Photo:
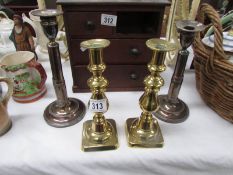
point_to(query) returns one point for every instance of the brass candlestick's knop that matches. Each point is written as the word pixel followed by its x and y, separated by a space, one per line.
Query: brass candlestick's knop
pixel 145 131
pixel 99 133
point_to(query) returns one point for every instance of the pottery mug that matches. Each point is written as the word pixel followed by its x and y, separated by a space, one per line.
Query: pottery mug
pixel 5 121
pixel 29 76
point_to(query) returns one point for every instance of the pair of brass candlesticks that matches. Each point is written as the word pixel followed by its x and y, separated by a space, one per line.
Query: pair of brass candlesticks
pixel 101 133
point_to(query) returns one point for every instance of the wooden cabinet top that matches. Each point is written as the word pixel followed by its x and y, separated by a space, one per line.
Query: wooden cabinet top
pixel 112 2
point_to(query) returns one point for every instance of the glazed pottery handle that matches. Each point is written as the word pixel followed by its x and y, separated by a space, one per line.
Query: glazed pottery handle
pixel 9 93
pixel 4 14
pixel 42 72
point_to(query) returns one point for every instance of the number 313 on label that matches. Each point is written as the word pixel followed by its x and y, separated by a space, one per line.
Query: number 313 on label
pixel 108 20
pixel 98 105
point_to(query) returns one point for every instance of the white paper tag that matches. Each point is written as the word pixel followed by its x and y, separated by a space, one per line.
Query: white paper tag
pixel 98 105
pixel 83 49
pixel 108 20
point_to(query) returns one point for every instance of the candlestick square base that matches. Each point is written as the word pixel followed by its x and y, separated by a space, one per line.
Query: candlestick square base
pixel 88 144
pixel 142 138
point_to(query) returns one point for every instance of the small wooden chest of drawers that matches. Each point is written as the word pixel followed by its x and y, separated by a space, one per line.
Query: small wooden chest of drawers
pixel 127 56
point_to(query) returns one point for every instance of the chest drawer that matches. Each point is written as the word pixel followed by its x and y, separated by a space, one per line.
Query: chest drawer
pixel 120 51
pixel 84 24
pixel 127 56
pixel 120 77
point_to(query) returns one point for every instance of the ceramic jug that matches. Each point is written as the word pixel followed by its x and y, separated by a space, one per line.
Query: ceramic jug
pixel 29 76
pixel 0 91
pixel 5 121
pixel 34 21
pixel 6 26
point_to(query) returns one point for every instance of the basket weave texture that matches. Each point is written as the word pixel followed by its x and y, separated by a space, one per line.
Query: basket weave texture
pixel 214 74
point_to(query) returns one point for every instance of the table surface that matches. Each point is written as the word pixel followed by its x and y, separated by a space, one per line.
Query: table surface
pixel 201 145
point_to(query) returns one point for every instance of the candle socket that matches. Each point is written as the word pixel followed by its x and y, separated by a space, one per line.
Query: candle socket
pixel 145 131
pixel 100 133
pixel 172 109
pixel 64 111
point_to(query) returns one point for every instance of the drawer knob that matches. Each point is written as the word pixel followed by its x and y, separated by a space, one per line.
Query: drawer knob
pixel 133 76
pixel 90 25
pixel 135 52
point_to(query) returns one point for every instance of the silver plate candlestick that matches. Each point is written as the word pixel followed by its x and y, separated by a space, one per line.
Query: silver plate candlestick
pixel 171 108
pixel 64 111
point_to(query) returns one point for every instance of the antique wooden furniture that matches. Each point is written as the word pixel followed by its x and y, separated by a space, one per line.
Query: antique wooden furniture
pixel 21 6
pixel 127 54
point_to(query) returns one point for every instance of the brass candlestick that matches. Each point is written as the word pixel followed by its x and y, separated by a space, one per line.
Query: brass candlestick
pixel 64 111
pixel 99 133
pixel 172 109
pixel 145 131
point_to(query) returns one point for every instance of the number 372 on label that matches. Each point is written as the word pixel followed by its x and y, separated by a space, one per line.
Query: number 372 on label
pixel 98 105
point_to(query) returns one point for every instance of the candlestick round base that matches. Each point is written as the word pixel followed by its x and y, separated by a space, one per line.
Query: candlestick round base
pixel 171 111
pixel 6 128
pixel 66 116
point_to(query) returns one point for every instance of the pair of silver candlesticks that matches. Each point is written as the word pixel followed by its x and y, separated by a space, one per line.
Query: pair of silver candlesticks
pixel 101 133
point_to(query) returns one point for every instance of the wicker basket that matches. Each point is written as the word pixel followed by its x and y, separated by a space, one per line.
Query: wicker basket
pixel 214 74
